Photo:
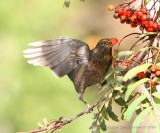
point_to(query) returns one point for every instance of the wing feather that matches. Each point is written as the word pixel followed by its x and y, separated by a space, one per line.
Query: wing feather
pixel 60 55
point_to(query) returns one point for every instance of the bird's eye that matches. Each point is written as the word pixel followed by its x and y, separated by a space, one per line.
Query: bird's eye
pixel 102 44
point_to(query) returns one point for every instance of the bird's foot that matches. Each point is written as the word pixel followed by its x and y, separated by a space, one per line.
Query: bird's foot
pixel 90 108
pixel 88 105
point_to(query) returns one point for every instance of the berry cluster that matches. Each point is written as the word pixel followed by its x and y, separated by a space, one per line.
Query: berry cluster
pixel 136 17
pixel 151 73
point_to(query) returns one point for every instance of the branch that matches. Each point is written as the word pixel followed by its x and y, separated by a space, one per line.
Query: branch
pixel 145 52
pixel 54 125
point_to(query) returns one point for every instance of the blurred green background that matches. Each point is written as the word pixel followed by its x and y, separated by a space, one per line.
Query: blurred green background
pixel 28 93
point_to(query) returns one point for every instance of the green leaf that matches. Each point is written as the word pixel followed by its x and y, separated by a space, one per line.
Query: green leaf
pixel 157 127
pixel 94 127
pixel 139 118
pixel 122 55
pixel 67 3
pixel 102 125
pixel 120 101
pixel 131 87
pixel 129 112
pixel 111 114
pixel 104 113
pixel 157 106
pixel 40 125
pixel 132 73
pixel 138 111
pixel 109 72
pixel 119 79
pixel 133 95
pixel 118 87
pixel 120 68
pixel 156 94
pixel 146 1
pixel 45 122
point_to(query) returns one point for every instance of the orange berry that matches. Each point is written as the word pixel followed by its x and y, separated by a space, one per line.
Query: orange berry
pixel 116 15
pixel 111 7
pixel 157 73
pixel 158 68
pixel 153 82
pixel 153 68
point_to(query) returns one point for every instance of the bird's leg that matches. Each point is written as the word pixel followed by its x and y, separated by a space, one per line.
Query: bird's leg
pixel 80 97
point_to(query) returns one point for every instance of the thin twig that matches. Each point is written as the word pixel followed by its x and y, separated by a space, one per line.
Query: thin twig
pixel 145 52
pixel 59 124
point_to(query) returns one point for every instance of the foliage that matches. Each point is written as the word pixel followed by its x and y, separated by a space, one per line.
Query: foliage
pixel 131 71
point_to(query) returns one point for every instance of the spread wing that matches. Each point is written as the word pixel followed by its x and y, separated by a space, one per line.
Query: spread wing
pixel 60 55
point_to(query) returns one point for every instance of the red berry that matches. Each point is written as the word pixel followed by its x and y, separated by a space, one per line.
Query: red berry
pixel 133 25
pixel 151 24
pixel 155 26
pixel 120 11
pixel 122 21
pixel 149 29
pixel 138 22
pixel 125 64
pixel 146 24
pixel 144 17
pixel 144 10
pixel 123 18
pixel 141 75
pixel 126 11
pixel 114 40
pixel 116 64
pixel 139 14
pixel 129 14
pixel 133 18
pixel 153 82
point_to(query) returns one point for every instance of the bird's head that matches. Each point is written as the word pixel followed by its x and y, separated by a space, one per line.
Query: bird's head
pixel 107 42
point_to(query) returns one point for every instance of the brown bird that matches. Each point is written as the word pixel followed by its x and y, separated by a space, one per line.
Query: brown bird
pixel 73 57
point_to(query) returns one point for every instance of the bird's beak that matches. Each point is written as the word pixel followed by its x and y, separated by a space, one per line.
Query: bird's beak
pixel 109 43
